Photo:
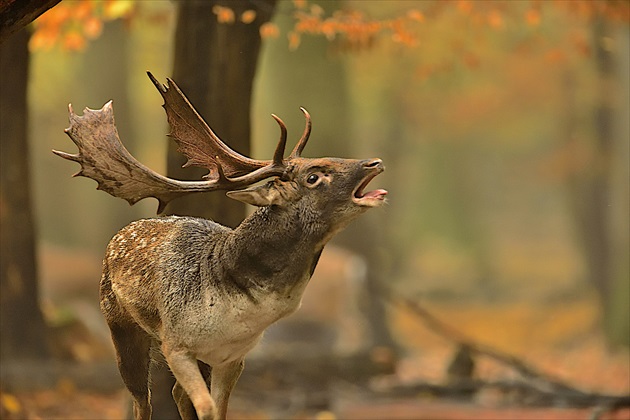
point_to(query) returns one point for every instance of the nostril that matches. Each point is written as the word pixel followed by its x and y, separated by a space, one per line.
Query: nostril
pixel 372 163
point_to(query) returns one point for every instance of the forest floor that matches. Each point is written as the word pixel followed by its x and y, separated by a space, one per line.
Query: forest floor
pixel 55 404
pixel 581 360
pixel 66 402
pixel 558 336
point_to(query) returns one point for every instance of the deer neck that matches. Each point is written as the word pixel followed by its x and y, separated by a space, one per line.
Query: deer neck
pixel 276 249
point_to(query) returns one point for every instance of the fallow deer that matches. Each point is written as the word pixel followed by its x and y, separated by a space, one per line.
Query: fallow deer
pixel 202 293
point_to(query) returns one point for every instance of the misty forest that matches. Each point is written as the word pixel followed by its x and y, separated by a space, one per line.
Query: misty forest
pixel 494 283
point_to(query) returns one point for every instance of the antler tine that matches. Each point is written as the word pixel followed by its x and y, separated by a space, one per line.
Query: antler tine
pixel 160 87
pixel 195 139
pixel 278 155
pixel 299 147
pixel 274 168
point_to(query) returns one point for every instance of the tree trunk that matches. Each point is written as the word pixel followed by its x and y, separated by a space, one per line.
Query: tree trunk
pixel 596 217
pixel 214 65
pixel 606 245
pixel 22 327
pixel 618 326
pixel 591 191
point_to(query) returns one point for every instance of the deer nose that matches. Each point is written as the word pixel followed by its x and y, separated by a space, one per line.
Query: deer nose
pixel 373 163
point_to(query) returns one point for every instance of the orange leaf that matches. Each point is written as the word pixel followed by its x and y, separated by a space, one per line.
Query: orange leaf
pixel 44 38
pixel 224 14
pixel 532 17
pixel 404 37
pixel 92 27
pixel 299 4
pixel 294 40
pixel 269 30
pixel 73 41
pixel 248 16
pixel 465 6
pixel 416 15
pixel 82 10
pixel 495 19
pixel 329 29
pixel 56 16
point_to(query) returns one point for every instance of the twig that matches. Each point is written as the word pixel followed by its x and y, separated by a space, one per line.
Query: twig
pixel 543 384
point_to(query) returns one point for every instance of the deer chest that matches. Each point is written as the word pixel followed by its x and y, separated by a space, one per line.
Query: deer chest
pixel 234 325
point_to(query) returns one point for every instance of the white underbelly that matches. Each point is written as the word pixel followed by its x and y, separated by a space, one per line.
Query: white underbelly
pixel 238 325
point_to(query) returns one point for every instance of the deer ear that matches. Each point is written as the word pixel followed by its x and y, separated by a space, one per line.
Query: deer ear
pixel 260 196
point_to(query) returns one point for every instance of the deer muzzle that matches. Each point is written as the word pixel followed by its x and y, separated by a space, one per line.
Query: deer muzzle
pixel 373 198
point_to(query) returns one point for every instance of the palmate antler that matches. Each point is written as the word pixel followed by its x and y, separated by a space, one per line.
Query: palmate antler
pixel 105 159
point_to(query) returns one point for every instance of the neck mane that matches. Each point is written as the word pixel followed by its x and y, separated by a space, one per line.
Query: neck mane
pixel 276 248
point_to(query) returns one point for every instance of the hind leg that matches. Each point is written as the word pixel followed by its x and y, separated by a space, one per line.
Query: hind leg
pixel 133 347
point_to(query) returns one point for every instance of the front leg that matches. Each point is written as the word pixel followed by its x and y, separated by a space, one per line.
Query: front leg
pixel 224 377
pixel 184 405
pixel 184 367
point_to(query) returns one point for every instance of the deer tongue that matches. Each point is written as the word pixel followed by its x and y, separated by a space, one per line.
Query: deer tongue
pixel 377 194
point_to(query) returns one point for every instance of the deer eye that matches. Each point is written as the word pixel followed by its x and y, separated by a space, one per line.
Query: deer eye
pixel 312 178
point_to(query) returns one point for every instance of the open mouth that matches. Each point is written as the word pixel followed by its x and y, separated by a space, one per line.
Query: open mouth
pixel 370 198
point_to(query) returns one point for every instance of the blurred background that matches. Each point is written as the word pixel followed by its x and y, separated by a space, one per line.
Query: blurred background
pixel 505 132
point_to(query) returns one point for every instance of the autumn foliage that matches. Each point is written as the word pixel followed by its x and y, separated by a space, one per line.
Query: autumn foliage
pixel 71 25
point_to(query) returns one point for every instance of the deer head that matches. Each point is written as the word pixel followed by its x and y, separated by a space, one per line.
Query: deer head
pixel 104 158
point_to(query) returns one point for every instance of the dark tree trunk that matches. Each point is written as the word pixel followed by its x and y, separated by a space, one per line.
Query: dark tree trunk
pixel 596 217
pixel 590 190
pixel 22 327
pixel 618 327
pixel 214 65
pixel 597 222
